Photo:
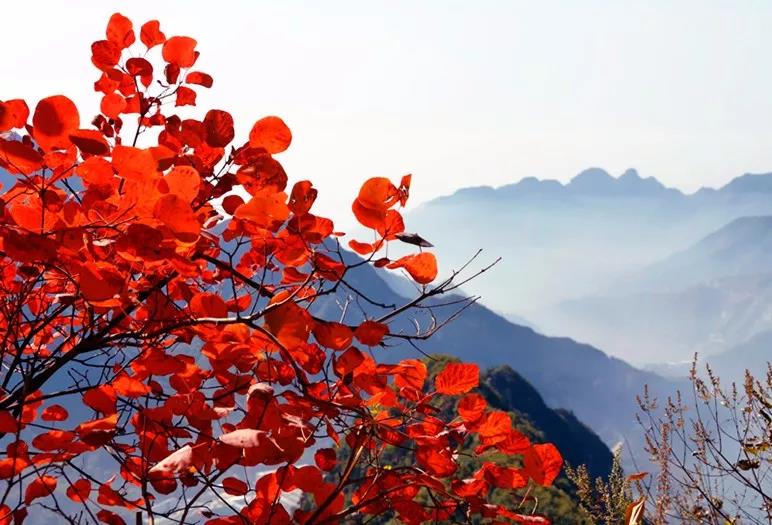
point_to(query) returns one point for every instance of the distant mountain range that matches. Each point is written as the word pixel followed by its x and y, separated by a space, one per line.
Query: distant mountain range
pixel 643 271
pixel 708 298
pixel 598 389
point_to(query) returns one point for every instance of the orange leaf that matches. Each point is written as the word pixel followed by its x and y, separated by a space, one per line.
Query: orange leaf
pixel 265 209
pixel 128 386
pixel 543 463
pixel 39 488
pixel 422 267
pixel 177 214
pixel 208 305
pixel 457 378
pixel 495 426
pixel 180 51
pixel 378 193
pixel 55 119
pixel 183 181
pixel 634 511
pixel 271 134
pixel 362 248
pixel 333 335
pixel 410 373
pixel 471 407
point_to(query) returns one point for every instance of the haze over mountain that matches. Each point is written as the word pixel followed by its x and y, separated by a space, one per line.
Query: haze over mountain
pixel 600 390
pixel 708 298
pixel 571 250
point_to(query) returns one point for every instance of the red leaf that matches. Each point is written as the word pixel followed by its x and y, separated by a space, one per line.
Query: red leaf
pixel 139 67
pixel 271 134
pixel 362 248
pixel 234 486
pixel 39 488
pixel 79 491
pixel 333 335
pixel 105 55
pixel 422 267
pixel 53 440
pixel 302 197
pixel 18 157
pixel 325 459
pixel 54 413
pixel 371 333
pixel 110 518
pixel 128 386
pixel 199 78
pixel 457 378
pixel 180 51
pixel 231 203
pixel 151 34
pixel 378 193
pixel 218 128
pixel 177 214
pixel 495 426
pixel 185 97
pixel 55 119
pixel 90 141
pixel 8 423
pixel 208 305
pixel 112 105
pixel 184 182
pixel 13 114
pixel 471 407
pixel 99 282
pixel 437 461
pixel 102 399
pixel 410 373
pixel 289 323
pixel 120 31
pixel 543 463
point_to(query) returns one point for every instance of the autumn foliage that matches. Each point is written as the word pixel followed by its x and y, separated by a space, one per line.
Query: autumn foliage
pixel 161 347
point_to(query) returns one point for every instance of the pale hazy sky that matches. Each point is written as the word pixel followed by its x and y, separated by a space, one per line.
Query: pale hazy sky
pixel 458 93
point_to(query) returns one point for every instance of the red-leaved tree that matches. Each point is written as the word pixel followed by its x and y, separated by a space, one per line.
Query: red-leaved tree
pixel 165 350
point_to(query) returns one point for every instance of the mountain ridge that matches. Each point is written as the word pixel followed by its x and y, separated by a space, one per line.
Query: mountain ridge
pixel 597 181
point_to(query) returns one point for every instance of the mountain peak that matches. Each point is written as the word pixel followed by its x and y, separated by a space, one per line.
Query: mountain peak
pixel 749 183
pixel 630 174
pixel 592 179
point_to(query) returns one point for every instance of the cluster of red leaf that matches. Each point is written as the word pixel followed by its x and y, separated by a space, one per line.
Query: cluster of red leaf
pixel 161 323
